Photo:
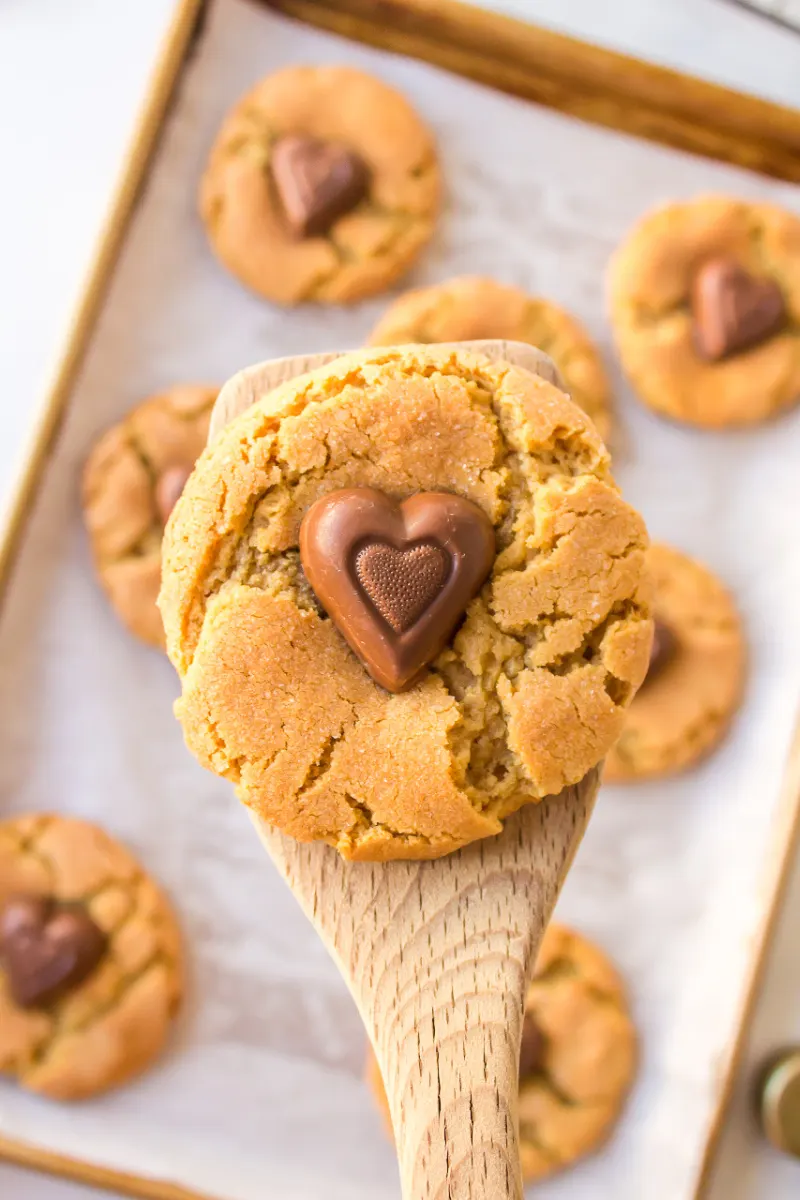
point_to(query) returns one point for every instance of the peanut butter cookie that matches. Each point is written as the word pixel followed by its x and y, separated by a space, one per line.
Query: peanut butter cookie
pixel 577 1059
pixel 696 676
pixel 474 307
pixel 705 303
pixel 529 691
pixel 90 968
pixel 322 185
pixel 131 481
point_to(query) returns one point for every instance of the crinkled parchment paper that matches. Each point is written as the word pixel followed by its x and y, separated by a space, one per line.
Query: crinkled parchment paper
pixel 261 1094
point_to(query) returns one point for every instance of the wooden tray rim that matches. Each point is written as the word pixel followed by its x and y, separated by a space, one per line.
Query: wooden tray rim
pixel 574 77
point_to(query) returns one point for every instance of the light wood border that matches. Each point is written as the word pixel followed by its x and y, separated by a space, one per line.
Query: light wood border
pixel 583 81
pixel 34 1158
pixel 574 77
pixel 164 76
pixel 780 862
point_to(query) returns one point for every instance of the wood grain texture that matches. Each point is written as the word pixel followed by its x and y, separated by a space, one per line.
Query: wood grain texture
pixel 438 954
pixel 571 76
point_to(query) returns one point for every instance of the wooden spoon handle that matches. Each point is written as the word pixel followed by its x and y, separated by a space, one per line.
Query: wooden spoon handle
pixel 438 956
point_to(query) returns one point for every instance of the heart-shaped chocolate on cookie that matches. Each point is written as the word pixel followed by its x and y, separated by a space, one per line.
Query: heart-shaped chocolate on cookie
pixel 317 182
pixel 395 577
pixel 46 948
pixel 732 309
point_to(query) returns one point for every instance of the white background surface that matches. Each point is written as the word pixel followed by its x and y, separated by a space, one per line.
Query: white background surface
pixel 72 76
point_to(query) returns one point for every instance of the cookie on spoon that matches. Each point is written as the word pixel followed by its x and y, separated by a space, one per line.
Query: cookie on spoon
pixel 511 694
pixel 460 934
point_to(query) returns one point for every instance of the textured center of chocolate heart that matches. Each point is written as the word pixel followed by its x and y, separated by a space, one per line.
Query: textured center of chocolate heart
pixel 401 583
pixel 395 577
pixel 733 309
pixel 46 948
pixel 317 182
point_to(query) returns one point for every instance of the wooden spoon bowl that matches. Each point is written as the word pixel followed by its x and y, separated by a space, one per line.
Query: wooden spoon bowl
pixel 438 954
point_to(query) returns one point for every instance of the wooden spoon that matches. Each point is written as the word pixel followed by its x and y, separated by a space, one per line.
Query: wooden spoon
pixel 438 954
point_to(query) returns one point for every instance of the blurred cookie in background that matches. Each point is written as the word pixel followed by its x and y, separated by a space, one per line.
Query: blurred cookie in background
pixel 90 963
pixel 475 307
pixel 322 185
pixel 577 1059
pixel 696 677
pixel 131 482
pixel 705 303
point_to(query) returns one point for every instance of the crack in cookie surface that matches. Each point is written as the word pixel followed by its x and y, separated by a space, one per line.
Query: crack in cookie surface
pixel 531 689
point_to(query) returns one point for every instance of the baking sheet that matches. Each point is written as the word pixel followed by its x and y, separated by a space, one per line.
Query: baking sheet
pixel 262 1091
pixel 748 1165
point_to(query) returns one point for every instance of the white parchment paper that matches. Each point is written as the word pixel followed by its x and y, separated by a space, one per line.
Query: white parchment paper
pixel 262 1093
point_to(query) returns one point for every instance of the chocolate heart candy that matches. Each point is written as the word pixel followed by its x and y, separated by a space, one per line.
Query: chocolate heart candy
pixel 317 182
pixel 732 309
pixel 46 948
pixel 395 578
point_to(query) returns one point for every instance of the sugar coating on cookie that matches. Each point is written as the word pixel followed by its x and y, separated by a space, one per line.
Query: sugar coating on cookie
pixel 653 287
pixel 685 707
pixel 473 307
pixel 131 481
pixel 573 1096
pixel 532 689
pixel 366 247
pixel 113 1024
